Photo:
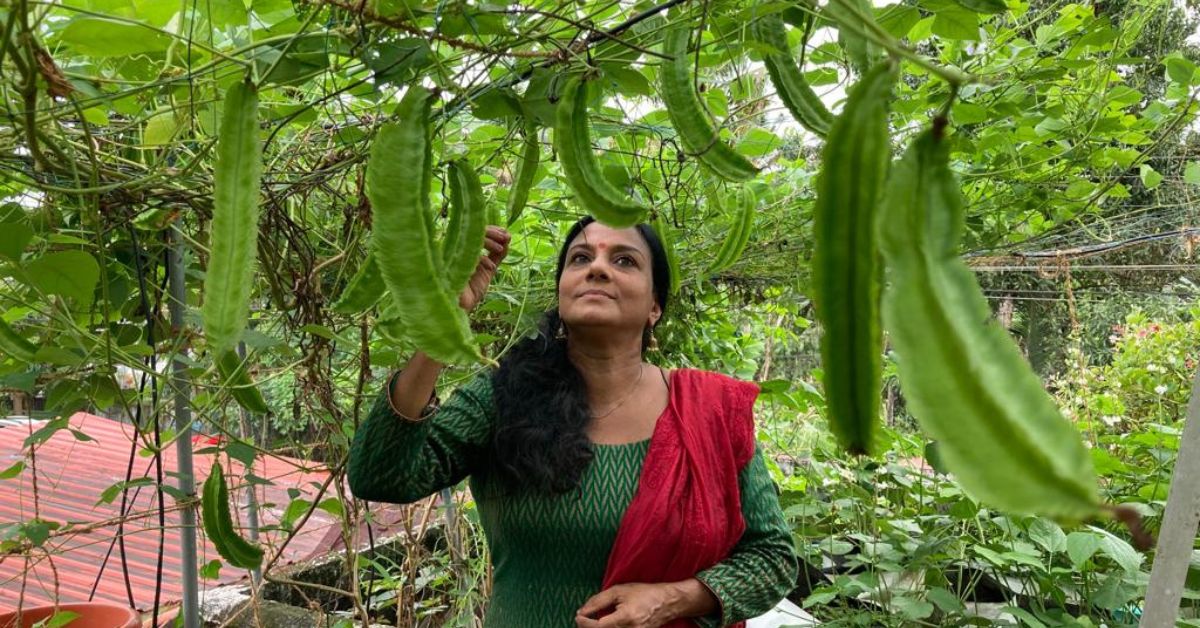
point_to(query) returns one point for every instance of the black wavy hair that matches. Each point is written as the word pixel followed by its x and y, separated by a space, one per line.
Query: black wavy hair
pixel 539 443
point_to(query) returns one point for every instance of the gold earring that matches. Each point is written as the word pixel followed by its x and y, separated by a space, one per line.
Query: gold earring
pixel 653 341
pixel 561 334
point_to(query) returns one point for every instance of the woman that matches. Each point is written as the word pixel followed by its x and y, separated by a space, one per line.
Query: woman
pixel 612 492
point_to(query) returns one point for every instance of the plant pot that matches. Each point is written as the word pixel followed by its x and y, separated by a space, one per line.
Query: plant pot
pixel 91 615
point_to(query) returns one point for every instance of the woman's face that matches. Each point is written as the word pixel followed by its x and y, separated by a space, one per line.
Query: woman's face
pixel 607 280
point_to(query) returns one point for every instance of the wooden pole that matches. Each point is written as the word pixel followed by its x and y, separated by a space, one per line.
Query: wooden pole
pixel 1178 533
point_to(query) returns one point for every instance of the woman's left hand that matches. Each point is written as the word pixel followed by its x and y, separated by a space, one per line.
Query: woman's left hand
pixel 632 605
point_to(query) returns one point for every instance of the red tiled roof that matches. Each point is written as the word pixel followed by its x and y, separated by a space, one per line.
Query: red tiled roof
pixel 72 474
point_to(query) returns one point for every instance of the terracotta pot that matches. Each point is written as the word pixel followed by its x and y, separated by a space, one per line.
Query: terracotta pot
pixel 166 618
pixel 91 615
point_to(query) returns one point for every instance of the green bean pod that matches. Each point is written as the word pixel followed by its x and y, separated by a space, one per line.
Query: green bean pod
pixel 236 378
pixel 668 241
pixel 403 247
pixel 791 86
pixel 739 234
pixel 963 378
pixel 573 142
pixel 463 244
pixel 218 524
pixel 364 290
pixel 14 344
pixel 688 115
pixel 526 171
pixel 845 268
pixel 234 229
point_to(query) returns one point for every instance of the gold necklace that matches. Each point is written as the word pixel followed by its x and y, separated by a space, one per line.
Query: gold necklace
pixel 635 385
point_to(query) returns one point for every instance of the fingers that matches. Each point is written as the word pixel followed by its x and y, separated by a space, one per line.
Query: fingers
pixel 598 602
pixel 616 620
pixel 496 242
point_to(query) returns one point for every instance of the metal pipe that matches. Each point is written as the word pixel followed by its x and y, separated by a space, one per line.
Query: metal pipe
pixel 182 383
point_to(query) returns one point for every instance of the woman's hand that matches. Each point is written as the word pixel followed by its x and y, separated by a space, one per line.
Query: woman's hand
pixel 496 242
pixel 631 606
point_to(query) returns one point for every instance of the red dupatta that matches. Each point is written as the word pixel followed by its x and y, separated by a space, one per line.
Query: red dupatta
pixel 686 515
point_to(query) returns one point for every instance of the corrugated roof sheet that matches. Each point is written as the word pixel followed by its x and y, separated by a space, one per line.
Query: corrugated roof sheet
pixel 72 474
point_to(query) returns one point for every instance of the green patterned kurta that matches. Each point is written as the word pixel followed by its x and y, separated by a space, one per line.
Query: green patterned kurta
pixel 549 553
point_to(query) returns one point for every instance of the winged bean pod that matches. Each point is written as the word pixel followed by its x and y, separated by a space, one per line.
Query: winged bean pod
pixel 689 117
pixel 791 86
pixel 465 244
pixel 236 378
pixel 573 142
pixel 668 242
pixel 963 378
pixel 526 171
pixel 218 524
pixel 403 247
pixel 739 234
pixel 234 229
pixel 364 290
pixel 845 265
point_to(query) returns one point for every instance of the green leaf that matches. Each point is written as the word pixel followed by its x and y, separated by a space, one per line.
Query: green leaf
pixel 60 619
pixel 984 6
pixel 1080 189
pixel 628 80
pixel 110 493
pixel 13 471
pixel 294 511
pixel 1150 177
pixel 211 570
pixel 912 608
pixel 25 381
pixel 1024 615
pixel 956 24
pixel 1081 546
pixel 968 113
pixel 160 129
pixel 1119 550
pixel 1180 69
pixel 44 433
pixel 758 142
pixel 496 105
pixel 58 356
pixel 945 600
pixel 1191 173
pixel 106 37
pixel 296 67
pixel 38 530
pixel 819 597
pixel 1048 534
pixel 397 62
pixel 898 19
pixel 241 452
pixel 333 506
pixel 71 274
pixel 14 237
pixel 540 99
